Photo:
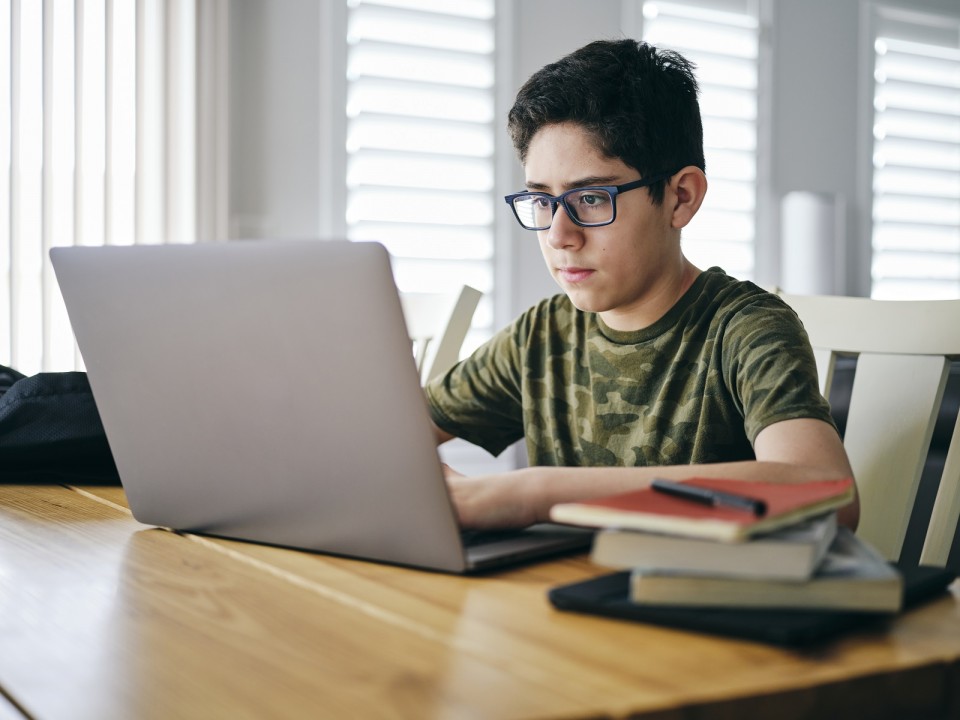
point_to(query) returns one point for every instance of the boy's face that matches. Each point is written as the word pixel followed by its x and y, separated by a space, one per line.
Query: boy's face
pixel 615 270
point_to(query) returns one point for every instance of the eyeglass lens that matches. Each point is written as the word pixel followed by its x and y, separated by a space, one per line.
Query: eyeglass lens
pixel 588 206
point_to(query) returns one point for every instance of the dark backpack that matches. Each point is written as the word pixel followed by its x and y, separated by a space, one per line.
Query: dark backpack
pixel 50 430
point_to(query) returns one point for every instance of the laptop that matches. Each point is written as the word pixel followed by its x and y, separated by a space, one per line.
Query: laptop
pixel 266 391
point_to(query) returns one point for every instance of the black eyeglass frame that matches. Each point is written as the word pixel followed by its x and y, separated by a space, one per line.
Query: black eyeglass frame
pixel 556 200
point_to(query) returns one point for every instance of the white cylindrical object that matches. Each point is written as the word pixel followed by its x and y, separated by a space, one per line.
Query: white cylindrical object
pixel 811 235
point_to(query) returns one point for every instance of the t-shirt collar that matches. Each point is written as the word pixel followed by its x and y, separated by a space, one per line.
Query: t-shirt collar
pixel 667 321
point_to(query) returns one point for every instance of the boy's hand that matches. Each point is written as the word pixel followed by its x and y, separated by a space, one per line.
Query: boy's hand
pixel 490 502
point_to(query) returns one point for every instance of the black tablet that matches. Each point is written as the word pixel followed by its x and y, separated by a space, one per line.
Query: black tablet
pixel 609 595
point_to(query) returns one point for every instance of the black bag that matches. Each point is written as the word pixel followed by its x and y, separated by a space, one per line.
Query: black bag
pixel 50 430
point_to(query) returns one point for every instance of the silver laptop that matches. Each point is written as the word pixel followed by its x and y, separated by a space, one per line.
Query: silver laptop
pixel 266 391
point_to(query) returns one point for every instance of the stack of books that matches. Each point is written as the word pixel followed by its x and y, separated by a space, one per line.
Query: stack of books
pixel 728 543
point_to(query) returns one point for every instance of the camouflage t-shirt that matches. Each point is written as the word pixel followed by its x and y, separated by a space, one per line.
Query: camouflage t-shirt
pixel 697 386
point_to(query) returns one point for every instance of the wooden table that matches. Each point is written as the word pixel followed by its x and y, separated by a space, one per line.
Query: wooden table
pixel 102 617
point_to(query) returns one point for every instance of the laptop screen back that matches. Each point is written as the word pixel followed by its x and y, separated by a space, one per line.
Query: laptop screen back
pixel 264 391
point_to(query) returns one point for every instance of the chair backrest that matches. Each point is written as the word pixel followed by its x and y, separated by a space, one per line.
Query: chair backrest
pixel 437 324
pixel 904 351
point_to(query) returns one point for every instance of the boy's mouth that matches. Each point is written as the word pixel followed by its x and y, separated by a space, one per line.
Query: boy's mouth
pixel 574 274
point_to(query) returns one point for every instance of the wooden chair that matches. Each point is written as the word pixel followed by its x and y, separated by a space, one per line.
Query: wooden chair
pixel 903 352
pixel 437 324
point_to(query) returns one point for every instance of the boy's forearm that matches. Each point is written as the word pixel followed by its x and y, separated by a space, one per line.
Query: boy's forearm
pixel 799 450
pixel 547 486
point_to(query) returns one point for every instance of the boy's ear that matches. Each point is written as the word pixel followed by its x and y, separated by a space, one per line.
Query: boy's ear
pixel 686 190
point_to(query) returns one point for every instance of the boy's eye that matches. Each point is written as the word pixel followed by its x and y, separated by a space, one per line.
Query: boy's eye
pixel 542 203
pixel 593 199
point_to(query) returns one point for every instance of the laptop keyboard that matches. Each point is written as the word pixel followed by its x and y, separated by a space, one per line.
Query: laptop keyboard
pixel 473 538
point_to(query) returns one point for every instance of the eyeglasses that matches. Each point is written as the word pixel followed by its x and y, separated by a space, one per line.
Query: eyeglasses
pixel 587 206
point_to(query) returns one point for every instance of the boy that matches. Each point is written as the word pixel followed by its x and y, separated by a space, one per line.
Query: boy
pixel 646 366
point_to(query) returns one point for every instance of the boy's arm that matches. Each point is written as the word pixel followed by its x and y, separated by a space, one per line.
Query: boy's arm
pixel 790 451
pixel 442 436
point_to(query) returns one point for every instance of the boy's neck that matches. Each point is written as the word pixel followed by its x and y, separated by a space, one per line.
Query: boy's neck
pixel 662 296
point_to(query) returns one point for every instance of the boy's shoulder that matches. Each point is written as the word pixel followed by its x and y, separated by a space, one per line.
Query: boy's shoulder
pixel 730 297
pixel 716 283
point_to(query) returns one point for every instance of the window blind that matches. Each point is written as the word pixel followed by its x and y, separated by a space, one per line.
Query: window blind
pixel 420 141
pixel 725 45
pixel 98 126
pixel 916 158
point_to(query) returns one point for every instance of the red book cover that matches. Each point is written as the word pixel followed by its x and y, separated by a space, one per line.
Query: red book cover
pixel 654 511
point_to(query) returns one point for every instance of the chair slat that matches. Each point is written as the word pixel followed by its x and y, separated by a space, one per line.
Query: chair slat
pixel 850 324
pixel 447 352
pixel 946 508
pixel 893 408
pixel 826 362
pixel 437 324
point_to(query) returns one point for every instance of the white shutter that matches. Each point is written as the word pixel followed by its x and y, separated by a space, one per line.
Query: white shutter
pixel 420 137
pixel 725 45
pixel 916 157
pixel 98 126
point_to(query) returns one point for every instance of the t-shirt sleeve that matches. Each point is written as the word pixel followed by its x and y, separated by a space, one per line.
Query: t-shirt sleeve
pixel 479 399
pixel 770 368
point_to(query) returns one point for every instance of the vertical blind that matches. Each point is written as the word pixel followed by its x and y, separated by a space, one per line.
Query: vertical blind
pixel 420 141
pixel 725 46
pixel 916 158
pixel 97 146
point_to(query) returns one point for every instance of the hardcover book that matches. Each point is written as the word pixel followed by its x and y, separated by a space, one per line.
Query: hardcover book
pixel 653 511
pixel 852 576
pixel 792 553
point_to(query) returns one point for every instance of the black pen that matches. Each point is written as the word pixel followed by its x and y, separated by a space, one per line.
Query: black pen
pixel 705 496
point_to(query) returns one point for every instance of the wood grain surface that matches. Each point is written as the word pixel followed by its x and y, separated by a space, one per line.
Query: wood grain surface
pixel 102 617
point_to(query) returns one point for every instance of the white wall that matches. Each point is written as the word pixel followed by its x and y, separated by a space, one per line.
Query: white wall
pixel 274 118
pixel 278 186
pixel 545 30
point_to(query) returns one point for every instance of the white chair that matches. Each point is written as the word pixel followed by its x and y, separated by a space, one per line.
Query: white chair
pixel 904 351
pixel 437 324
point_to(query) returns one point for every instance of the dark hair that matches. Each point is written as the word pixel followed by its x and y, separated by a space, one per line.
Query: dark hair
pixel 639 104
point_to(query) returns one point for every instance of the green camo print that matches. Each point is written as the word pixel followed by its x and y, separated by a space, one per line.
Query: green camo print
pixel 726 361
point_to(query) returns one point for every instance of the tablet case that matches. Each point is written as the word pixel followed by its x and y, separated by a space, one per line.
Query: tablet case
pixel 608 595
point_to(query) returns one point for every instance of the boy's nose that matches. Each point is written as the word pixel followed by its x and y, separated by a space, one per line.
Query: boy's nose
pixel 563 232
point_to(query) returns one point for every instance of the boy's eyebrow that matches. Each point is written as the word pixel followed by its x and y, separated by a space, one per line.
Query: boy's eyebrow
pixel 580 182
